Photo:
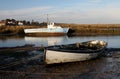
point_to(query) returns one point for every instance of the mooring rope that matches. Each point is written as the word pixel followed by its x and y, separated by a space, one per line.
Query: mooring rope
pixel 11 64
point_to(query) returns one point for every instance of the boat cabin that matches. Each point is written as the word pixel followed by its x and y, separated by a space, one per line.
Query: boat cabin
pixel 52 25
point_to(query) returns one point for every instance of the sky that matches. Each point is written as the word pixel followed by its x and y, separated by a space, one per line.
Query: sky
pixel 62 11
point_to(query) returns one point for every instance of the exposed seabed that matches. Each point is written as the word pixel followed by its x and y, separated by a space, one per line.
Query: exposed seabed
pixel 107 66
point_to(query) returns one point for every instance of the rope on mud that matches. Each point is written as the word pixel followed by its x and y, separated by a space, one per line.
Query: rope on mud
pixel 13 64
pixel 109 51
pixel 19 62
pixel 113 49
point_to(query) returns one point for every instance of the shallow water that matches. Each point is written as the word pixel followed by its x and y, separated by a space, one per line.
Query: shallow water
pixel 5 41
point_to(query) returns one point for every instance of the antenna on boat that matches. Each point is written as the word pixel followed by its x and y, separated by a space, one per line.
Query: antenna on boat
pixel 47 19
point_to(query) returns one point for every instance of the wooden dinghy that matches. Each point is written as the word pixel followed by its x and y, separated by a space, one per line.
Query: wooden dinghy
pixel 74 52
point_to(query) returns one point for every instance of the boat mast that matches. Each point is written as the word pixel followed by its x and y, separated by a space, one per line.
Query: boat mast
pixel 47 20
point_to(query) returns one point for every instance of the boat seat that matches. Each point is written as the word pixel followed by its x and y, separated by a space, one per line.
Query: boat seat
pixel 78 45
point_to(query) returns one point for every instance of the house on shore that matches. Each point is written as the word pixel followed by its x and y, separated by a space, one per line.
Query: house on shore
pixel 11 22
pixel 2 22
pixel 20 23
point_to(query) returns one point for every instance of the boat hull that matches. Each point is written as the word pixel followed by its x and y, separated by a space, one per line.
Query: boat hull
pixel 45 34
pixel 74 52
pixel 53 57
pixel 46 31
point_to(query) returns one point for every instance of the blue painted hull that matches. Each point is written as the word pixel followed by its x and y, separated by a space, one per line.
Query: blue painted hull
pixel 47 30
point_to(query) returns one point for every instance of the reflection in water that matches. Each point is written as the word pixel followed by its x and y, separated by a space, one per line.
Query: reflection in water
pixel 4 38
pixel 45 41
pixel 11 41
pixel 113 41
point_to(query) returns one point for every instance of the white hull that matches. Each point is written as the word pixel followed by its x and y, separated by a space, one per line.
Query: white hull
pixel 47 30
pixel 74 52
pixel 51 29
pixel 53 57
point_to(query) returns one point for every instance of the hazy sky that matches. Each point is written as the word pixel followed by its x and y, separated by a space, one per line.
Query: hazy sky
pixel 62 11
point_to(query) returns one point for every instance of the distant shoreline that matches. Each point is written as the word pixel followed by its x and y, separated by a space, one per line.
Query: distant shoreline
pixel 75 29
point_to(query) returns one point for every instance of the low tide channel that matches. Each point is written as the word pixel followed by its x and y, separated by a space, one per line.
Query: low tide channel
pixel 13 41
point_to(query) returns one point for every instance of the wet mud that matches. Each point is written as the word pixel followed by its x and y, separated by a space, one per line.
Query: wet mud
pixel 107 66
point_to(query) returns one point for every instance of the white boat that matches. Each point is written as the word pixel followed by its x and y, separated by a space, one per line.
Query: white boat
pixel 74 52
pixel 50 30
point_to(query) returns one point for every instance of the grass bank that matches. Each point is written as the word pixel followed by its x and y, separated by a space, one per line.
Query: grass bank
pixel 75 29
pixel 93 29
pixel 10 30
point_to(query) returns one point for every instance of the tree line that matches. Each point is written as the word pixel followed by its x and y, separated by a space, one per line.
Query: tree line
pixel 13 22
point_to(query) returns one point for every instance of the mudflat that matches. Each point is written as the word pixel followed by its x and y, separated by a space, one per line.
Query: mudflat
pixel 106 66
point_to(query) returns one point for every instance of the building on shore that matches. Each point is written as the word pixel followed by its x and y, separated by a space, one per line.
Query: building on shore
pixel 2 22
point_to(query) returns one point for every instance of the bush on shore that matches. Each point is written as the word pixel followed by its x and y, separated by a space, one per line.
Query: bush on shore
pixel 11 30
